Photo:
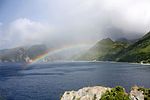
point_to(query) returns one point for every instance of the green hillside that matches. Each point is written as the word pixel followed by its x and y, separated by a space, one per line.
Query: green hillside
pixel 137 52
pixel 103 50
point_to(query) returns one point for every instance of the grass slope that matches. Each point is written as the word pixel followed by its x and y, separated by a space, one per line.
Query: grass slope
pixel 103 50
pixel 137 52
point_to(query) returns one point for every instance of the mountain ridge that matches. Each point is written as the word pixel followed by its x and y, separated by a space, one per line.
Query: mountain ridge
pixel 103 48
pixel 137 52
pixel 120 51
pixel 22 54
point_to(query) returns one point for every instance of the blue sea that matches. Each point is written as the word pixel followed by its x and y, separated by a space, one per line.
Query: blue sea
pixel 48 81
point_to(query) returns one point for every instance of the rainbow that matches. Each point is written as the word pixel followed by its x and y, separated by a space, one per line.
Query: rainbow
pixel 53 51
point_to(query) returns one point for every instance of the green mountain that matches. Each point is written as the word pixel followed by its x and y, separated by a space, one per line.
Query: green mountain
pixel 137 52
pixel 104 50
pixel 120 50
pixel 22 54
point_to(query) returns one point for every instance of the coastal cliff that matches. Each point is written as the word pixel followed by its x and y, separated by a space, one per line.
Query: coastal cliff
pixel 106 93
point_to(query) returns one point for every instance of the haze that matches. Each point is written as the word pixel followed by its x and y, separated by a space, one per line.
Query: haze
pixel 70 22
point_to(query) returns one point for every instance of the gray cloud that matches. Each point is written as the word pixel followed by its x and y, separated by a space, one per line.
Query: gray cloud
pixel 81 21
pixel 25 32
pixel 102 18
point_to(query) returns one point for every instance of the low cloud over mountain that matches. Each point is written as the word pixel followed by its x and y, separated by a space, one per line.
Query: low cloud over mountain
pixel 62 22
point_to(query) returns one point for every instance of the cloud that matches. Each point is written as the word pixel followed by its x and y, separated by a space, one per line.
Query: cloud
pixel 77 21
pixel 127 17
pixel 26 32
pixel 130 15
pixel 91 20
pixel 23 31
pixel 3 42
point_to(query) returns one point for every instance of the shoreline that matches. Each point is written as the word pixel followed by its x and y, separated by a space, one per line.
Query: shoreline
pixel 75 61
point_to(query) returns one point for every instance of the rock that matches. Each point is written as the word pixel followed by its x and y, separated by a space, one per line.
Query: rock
pixel 96 92
pixel 135 94
pixel 87 93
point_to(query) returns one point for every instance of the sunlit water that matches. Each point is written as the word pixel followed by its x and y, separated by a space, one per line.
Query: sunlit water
pixel 49 81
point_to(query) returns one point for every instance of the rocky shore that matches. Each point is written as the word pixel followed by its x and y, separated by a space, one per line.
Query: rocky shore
pixel 106 93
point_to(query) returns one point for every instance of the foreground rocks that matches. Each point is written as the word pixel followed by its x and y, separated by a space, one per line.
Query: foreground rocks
pixel 136 94
pixel 87 93
pixel 106 93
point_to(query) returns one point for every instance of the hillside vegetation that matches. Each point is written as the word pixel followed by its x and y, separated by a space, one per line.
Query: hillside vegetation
pixel 121 51
pixel 104 50
pixel 137 52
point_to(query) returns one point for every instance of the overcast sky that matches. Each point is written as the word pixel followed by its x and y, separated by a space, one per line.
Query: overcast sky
pixel 63 22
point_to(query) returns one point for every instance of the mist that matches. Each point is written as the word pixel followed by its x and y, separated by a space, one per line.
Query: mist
pixel 71 22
